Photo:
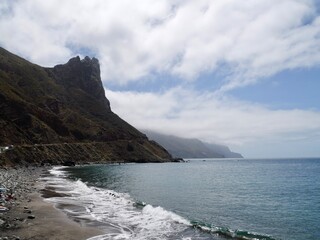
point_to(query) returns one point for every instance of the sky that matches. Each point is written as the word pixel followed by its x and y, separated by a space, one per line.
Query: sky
pixel 240 73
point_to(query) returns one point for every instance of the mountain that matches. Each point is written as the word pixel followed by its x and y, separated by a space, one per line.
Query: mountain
pixel 191 147
pixel 65 105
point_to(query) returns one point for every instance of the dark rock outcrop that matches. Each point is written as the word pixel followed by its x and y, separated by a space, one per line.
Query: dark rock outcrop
pixel 85 75
pixel 64 104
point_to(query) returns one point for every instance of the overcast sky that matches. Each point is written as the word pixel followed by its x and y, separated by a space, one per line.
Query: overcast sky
pixel 242 73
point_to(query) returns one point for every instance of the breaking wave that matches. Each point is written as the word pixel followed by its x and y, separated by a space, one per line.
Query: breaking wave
pixel 124 218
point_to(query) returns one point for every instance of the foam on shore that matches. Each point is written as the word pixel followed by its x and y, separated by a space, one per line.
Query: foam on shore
pixel 122 217
pixel 29 216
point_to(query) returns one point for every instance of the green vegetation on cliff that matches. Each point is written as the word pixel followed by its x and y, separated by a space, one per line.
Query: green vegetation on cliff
pixel 65 104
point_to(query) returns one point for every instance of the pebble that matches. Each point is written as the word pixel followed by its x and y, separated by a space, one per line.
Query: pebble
pixel 18 183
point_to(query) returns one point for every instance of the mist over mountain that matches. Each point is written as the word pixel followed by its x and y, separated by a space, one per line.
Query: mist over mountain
pixel 65 105
pixel 191 147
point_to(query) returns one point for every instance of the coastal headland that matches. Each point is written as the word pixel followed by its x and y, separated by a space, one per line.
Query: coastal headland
pixel 56 116
pixel 53 115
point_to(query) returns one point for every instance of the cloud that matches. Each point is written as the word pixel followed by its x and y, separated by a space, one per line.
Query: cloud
pixel 241 42
pixel 213 118
pixel 252 39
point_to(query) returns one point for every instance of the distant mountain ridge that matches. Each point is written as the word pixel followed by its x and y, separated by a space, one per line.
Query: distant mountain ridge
pixel 191 147
pixel 65 104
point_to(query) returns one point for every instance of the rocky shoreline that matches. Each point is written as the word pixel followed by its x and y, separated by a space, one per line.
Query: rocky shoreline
pixel 25 215
pixel 17 185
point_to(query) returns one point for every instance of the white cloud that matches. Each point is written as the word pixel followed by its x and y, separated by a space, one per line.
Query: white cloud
pixel 183 38
pixel 211 118
pixel 246 40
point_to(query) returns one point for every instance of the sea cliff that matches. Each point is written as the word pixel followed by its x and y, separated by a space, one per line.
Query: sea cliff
pixel 53 115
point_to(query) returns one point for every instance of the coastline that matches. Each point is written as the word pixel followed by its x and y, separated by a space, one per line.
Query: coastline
pixel 30 216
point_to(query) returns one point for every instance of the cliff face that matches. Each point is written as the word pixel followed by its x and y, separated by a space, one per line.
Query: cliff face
pixel 63 104
pixel 84 75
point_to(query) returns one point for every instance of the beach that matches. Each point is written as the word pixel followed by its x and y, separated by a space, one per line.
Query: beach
pixel 26 215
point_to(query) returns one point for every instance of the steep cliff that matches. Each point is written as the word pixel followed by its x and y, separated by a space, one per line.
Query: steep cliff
pixel 63 104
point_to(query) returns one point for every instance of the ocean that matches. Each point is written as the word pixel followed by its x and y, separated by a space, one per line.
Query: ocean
pixel 260 199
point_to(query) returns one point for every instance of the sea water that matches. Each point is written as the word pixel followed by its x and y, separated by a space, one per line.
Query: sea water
pixel 202 199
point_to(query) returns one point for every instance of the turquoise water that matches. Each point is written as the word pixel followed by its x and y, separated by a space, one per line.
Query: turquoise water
pixel 212 199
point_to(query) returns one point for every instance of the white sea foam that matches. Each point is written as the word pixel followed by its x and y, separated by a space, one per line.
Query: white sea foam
pixel 116 210
pixel 57 171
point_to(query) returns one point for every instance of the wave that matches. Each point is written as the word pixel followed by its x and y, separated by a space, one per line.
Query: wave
pixel 124 218
pixel 227 232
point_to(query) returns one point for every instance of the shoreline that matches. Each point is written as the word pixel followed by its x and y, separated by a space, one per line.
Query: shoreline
pixel 30 216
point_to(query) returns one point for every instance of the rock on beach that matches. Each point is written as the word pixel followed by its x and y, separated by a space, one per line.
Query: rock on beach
pixel 16 184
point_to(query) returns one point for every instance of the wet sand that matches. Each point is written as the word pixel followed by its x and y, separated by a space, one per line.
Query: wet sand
pixel 30 216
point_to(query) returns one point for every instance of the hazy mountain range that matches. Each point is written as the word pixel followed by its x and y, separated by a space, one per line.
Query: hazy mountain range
pixel 191 147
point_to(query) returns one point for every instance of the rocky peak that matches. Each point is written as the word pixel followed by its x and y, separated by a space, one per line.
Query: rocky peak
pixel 63 108
pixel 83 74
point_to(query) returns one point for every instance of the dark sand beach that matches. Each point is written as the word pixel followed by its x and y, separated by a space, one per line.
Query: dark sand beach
pixel 29 216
